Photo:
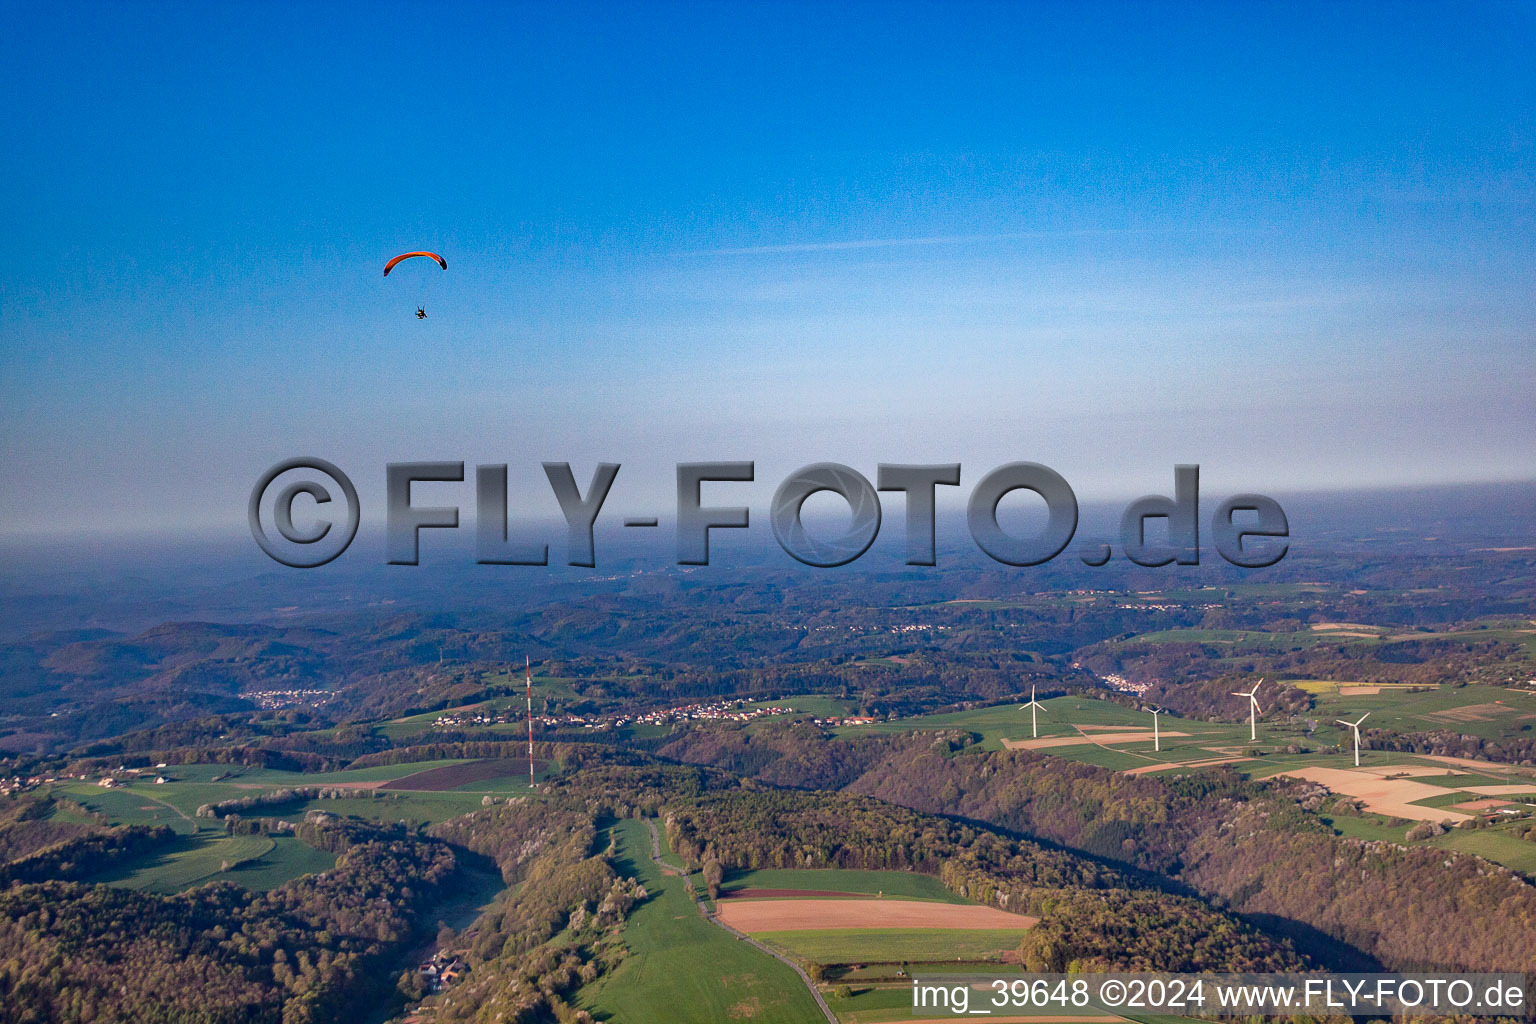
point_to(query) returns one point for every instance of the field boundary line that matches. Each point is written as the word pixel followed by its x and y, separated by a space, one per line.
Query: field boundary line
pixel 196 828
pixel 668 869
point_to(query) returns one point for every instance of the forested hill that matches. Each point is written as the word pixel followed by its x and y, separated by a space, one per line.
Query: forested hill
pixel 1248 846
pixel 1406 908
pixel 301 954
pixel 1092 916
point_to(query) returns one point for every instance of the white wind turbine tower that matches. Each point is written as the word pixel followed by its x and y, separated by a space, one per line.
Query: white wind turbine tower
pixel 1157 743
pixel 1355 727
pixel 1034 713
pixel 1253 710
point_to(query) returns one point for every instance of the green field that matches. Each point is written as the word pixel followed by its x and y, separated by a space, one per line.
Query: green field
pixel 398 806
pixel 133 806
pixel 1321 686
pixel 1238 639
pixel 1495 712
pixel 1116 758
pixel 1241 640
pixel 869 1003
pixel 1492 844
pixel 876 945
pixel 289 858
pixel 202 847
pixel 175 803
pixel 886 972
pixel 894 945
pixel 1488 711
pixel 255 862
pixel 684 970
pixel 1059 717
pixel 1369 827
pixel 1447 799
pixel 809 704
pixel 904 884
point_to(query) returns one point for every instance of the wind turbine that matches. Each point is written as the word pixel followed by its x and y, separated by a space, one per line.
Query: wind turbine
pixel 1253 710
pixel 1355 727
pixel 1034 714
pixel 1157 743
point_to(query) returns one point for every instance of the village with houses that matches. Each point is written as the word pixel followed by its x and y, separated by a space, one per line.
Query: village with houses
pixel 704 711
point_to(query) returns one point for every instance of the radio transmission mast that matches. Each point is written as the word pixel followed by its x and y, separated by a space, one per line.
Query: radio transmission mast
pixel 528 668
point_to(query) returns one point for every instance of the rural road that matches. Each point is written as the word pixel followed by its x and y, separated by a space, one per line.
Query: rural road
pixel 668 869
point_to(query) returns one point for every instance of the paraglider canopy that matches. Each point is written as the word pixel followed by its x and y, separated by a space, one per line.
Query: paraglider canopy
pixel 408 255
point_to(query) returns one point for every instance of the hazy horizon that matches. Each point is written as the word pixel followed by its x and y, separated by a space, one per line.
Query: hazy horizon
pixel 1292 245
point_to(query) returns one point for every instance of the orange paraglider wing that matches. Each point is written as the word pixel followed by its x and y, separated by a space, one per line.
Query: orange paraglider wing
pixel 407 255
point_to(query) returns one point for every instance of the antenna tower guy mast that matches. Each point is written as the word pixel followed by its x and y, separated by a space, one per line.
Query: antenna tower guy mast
pixel 528 668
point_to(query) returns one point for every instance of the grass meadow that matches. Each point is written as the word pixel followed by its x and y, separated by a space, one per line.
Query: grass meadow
pixel 684 970
pixel 894 945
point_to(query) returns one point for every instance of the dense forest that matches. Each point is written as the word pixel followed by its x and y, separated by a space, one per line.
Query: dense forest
pixel 300 954
pixel 1253 847
pixel 520 970
pixel 1444 743
pixel 1246 846
pixel 1198 871
pixel 1092 917
pixel 560 925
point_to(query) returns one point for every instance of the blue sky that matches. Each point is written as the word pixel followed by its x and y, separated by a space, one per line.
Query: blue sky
pixel 1291 243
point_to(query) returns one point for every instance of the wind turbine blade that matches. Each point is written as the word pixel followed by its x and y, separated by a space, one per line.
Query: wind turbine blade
pixel 1256 709
pixel 1364 717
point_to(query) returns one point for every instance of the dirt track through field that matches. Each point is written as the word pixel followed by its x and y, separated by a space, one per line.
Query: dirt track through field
pixel 1162 766
pixel 1482 766
pixel 446 777
pixel 819 914
pixel 1407 771
pixel 1471 713
pixel 176 810
pixel 1103 739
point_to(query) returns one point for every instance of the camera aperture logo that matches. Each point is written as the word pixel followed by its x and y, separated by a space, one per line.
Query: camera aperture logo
pixel 1249 530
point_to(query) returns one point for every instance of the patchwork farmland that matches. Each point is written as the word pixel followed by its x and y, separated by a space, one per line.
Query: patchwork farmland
pixel 841 921
pixel 1390 792
pixel 202 852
